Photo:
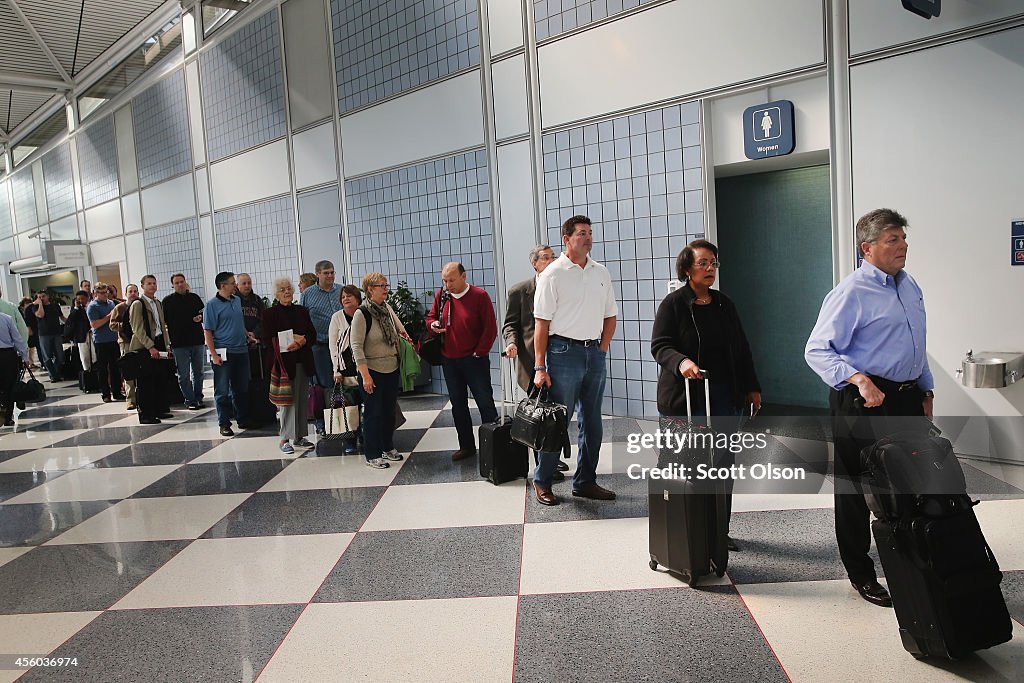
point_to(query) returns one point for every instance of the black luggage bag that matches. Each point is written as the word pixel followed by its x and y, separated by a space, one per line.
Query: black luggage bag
pixel 688 519
pixel 72 365
pixel 261 411
pixel 941 573
pixel 501 458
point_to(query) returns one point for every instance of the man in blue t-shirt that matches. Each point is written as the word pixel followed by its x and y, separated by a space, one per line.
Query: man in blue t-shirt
pixel 104 341
pixel 224 328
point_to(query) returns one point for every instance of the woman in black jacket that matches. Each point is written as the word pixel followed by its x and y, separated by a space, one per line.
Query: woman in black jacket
pixel 697 330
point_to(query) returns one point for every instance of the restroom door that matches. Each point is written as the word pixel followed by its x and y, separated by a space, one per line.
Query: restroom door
pixel 775 245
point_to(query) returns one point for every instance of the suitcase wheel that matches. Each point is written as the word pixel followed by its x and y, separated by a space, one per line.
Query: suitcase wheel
pixel 689 579
pixel 919 655
pixel 653 564
pixel 719 572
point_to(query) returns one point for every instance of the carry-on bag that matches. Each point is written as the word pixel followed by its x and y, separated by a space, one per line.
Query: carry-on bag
pixel 944 582
pixel 688 519
pixel 541 424
pixel 341 424
pixel 261 410
pixel 31 391
pixel 501 458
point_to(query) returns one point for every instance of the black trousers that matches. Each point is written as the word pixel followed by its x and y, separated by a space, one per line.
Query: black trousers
pixel 151 391
pixel 10 370
pixel 855 427
pixel 105 366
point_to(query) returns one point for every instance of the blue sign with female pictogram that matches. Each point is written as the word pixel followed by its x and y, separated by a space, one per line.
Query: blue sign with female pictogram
pixel 768 130
pixel 1017 243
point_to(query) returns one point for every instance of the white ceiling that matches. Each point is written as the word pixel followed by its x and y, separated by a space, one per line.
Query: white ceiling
pixel 45 45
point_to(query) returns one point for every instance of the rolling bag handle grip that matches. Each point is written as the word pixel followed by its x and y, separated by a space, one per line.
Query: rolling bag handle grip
pixel 511 375
pixel 707 397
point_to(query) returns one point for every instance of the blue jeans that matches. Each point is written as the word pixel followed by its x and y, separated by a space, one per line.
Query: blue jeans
pixel 190 358
pixel 231 389
pixel 379 413
pixel 464 375
pixel 324 377
pixel 51 353
pixel 577 382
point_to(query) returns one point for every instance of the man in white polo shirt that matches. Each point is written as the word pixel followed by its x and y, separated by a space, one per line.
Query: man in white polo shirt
pixel 575 314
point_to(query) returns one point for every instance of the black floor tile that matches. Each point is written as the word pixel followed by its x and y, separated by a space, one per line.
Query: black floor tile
pixel 422 402
pixel 984 486
pixel 208 478
pixel 77 578
pixel 1013 591
pixel 157 453
pixel 161 644
pixel 289 513
pixel 114 436
pixel 645 635
pixel 436 467
pixel 47 410
pixel 447 419
pixel 420 564
pixel 36 523
pixel 75 422
pixel 787 545
pixel 630 501
pixel 16 483
pixel 9 455
pixel 406 439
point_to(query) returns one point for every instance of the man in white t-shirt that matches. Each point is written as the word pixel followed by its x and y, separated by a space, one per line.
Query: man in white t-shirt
pixel 575 314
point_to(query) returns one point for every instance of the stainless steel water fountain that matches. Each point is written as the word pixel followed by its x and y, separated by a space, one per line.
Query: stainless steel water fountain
pixel 991 369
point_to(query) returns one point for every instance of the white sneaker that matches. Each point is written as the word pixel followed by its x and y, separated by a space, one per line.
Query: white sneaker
pixel 392 455
pixel 377 463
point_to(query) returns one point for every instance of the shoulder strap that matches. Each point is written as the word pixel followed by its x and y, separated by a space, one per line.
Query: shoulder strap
pixel 145 316
pixel 368 318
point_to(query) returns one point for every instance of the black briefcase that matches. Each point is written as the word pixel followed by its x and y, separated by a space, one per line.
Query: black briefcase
pixel 135 364
pixel 31 391
pixel 541 424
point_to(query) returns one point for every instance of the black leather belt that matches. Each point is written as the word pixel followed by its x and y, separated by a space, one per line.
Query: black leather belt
pixel 577 342
pixel 889 386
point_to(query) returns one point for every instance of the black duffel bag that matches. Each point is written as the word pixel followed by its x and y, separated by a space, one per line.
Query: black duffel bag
pixel 431 344
pixel 31 391
pixel 541 424
pixel 135 364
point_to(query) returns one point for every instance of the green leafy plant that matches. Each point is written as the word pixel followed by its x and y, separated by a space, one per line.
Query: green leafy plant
pixel 409 309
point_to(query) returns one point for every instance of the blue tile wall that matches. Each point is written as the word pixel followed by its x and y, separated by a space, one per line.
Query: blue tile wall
pixel 58 182
pixel 160 120
pixel 243 89
pixel 6 215
pixel 558 16
pixel 639 179
pixel 97 162
pixel 384 48
pixel 24 194
pixel 409 222
pixel 258 239
pixel 175 248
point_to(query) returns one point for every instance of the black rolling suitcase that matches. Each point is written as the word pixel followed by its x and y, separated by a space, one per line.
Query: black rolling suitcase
pixel 261 410
pixel 688 519
pixel 72 367
pixel 941 573
pixel 501 458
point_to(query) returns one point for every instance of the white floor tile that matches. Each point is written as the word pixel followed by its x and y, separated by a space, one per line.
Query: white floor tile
pixel 58 459
pixel 422 640
pixel 593 555
pixel 255 448
pixel 339 472
pixel 1003 524
pixel 112 408
pixel 439 439
pixel 241 571
pixel 153 519
pixel 419 419
pixel 190 431
pixel 95 484
pixel 31 440
pixel 38 634
pixel 8 554
pixel 824 631
pixel 466 503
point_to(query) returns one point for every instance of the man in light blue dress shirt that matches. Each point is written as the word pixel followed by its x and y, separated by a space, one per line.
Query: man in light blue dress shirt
pixel 868 346
pixel 13 355
pixel 323 300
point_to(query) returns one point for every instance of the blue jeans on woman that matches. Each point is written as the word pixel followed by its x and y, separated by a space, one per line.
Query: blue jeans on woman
pixel 577 381
pixel 379 413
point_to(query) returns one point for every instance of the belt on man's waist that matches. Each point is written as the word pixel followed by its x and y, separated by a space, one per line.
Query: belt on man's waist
pixel 577 342
pixel 888 386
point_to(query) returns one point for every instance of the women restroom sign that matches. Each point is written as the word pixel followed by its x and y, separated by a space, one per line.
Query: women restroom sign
pixel 1017 243
pixel 768 130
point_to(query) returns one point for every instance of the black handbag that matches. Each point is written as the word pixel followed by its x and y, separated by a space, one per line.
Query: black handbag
pixel 135 364
pixel 431 344
pixel 31 391
pixel 541 424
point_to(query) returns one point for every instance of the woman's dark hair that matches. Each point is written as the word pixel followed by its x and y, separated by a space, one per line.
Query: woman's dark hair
pixel 353 291
pixel 685 259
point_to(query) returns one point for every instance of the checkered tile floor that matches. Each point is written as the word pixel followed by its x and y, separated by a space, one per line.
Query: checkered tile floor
pixel 167 553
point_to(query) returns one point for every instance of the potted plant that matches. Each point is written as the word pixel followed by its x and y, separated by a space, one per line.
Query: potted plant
pixel 410 311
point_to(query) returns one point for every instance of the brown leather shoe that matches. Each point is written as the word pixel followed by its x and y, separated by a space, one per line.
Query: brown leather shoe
pixel 594 492
pixel 544 495
pixel 462 454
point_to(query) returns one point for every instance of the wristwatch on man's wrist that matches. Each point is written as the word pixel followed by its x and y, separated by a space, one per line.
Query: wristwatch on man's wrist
pixel 538 368
pixel 929 394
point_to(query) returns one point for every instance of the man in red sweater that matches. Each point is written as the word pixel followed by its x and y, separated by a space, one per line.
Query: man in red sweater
pixel 470 328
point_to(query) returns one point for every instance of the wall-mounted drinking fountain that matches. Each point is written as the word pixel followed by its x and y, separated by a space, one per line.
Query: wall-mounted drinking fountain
pixel 991 369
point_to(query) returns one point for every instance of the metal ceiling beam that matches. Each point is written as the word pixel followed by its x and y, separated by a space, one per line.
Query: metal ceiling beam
pixel 16 81
pixel 42 43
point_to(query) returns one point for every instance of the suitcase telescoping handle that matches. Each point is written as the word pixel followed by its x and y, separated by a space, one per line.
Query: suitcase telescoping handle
pixel 511 374
pixel 707 397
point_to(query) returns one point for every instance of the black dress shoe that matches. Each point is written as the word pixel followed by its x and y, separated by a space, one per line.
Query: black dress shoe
pixel 9 422
pixel 874 593
pixel 149 420
pixel 226 430
pixel 731 544
pixel 558 476
pixel 107 399
pixel 562 466
pixel 166 416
